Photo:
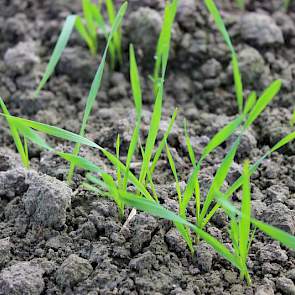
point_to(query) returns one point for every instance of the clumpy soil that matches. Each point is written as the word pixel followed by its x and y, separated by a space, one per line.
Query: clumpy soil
pixel 56 239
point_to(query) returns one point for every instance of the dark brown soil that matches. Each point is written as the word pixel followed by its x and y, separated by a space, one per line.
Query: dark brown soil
pixel 60 240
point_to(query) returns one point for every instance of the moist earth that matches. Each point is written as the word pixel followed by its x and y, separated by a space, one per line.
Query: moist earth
pixel 60 239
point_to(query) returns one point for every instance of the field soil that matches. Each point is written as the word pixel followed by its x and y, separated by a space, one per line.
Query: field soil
pixel 60 239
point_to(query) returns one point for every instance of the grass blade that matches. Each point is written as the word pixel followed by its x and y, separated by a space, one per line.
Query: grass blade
pixel 34 137
pixel 216 141
pixel 263 101
pixel 219 178
pixel 152 135
pixel 275 233
pixel 237 184
pixel 221 136
pixel 173 169
pixel 118 144
pixel 85 35
pixel 285 140
pixel 137 96
pixel 98 18
pixel 58 50
pixel 193 161
pixel 236 71
pixel 250 102
pixel 118 164
pixel 238 82
pixel 96 83
pixel 53 131
pixel 109 181
pixel 220 24
pixel 244 224
pixel 88 14
pixel 163 44
pixel 157 210
pixel 163 142
pixel 135 83
pixel 15 135
pixel 111 10
pixel 189 145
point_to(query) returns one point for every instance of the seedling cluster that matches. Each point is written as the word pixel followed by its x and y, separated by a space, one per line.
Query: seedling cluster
pixel 241 226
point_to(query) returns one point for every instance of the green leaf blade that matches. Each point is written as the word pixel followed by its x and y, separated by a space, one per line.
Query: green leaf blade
pixel 219 178
pixel 222 135
pixel 57 52
pixel 157 210
pixel 244 225
pixel 263 101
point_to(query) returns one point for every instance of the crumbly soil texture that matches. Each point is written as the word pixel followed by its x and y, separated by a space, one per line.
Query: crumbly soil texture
pixel 61 239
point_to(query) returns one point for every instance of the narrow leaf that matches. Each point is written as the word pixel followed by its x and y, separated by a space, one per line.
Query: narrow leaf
pixel 163 142
pixel 15 135
pixel 219 23
pixel 222 135
pixel 58 50
pixel 219 178
pixel 263 101
pixel 96 83
pixel 244 225
pixel 157 210
pixel 238 82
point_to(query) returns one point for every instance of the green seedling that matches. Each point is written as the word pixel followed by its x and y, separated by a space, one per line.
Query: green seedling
pixel 275 233
pixel 96 83
pixel 235 65
pixel 29 128
pixel 163 45
pixel 149 160
pixel 57 52
pixel 104 184
pixel 148 204
pixel 237 184
pixel 243 121
pixel 93 20
pixel 203 214
pixel 20 146
pixel 111 11
pixel 240 227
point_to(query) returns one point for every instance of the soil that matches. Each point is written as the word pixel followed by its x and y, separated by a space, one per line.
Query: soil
pixel 56 239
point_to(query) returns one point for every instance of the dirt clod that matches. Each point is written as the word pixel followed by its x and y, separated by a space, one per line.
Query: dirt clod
pixel 73 270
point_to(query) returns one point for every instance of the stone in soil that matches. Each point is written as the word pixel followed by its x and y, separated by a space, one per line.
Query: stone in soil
pixel 46 200
pixel 260 30
pixel 73 270
pixel 175 241
pixel 143 262
pixel 77 63
pixel 281 216
pixel 272 252
pixel 286 286
pixel 264 290
pixel 204 257
pixel 22 278
pixel 252 66
pixel 12 183
pixel 144 27
pixel 22 58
